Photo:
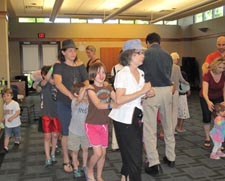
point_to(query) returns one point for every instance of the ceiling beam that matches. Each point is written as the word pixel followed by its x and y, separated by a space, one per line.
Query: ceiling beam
pixel 122 9
pixel 55 10
pixel 191 8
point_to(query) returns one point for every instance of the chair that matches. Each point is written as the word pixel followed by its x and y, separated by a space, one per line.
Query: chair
pixel 15 92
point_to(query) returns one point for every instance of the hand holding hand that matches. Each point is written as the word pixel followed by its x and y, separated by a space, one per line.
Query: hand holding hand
pixel 147 87
pixel 151 93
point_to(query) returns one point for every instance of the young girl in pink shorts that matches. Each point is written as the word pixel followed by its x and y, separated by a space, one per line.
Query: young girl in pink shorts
pixel 96 125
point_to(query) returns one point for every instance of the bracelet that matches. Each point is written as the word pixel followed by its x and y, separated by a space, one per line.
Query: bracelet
pixel 109 106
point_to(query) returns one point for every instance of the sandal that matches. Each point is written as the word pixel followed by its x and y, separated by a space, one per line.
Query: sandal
pixel 67 167
pixel 207 143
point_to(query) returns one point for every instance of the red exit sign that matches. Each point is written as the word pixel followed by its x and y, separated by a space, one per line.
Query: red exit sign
pixel 41 35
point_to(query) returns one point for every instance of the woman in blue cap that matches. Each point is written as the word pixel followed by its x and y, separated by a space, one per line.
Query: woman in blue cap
pixel 130 88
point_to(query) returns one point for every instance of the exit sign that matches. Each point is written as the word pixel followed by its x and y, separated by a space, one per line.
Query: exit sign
pixel 41 35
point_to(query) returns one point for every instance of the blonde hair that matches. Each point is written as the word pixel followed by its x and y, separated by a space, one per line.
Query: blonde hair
pixel 215 63
pixel 175 55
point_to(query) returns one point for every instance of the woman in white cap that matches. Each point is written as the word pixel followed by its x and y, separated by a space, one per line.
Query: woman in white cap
pixel 127 119
pixel 70 70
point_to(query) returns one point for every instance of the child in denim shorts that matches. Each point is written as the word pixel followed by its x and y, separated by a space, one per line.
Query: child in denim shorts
pixel 11 119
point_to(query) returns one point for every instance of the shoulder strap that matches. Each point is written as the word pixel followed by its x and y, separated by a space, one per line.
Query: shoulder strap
pixel 114 71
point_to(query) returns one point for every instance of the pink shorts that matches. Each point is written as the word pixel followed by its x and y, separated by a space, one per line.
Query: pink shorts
pixel 50 125
pixel 97 134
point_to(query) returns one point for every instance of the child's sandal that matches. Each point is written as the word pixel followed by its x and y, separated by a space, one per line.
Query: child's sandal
pixel 207 144
pixel 67 167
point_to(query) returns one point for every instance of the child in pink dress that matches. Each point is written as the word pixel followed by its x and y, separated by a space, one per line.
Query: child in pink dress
pixel 217 133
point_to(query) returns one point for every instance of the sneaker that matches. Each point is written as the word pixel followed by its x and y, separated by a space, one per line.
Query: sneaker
pixel 57 151
pixel 214 156
pixel 48 163
pixel 83 169
pixel 220 154
pixel 53 159
pixel 77 173
pixel 4 151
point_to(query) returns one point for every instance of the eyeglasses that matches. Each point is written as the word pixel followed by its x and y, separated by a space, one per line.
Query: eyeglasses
pixel 139 52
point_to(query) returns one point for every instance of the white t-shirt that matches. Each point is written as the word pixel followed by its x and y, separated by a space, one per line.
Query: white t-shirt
pixel 124 79
pixel 9 110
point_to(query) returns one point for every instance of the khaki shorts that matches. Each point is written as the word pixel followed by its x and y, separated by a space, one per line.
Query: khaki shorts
pixel 75 141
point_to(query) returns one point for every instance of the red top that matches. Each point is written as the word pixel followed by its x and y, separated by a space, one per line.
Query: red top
pixel 215 88
pixel 212 57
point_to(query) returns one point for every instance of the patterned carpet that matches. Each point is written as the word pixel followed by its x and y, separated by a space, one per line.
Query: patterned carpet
pixel 192 163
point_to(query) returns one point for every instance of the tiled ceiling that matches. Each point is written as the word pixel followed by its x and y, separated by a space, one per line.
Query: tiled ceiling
pixel 142 9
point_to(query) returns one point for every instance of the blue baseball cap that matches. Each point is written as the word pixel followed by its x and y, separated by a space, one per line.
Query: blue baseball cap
pixel 133 44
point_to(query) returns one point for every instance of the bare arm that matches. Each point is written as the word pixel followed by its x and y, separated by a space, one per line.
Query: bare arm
pixel 61 87
pixel 48 77
pixel 223 95
pixel 205 88
pixel 181 78
pixel 11 118
pixel 122 98
pixel 205 68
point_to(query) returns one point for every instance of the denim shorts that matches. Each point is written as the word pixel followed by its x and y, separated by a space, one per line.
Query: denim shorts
pixel 15 131
pixel 64 115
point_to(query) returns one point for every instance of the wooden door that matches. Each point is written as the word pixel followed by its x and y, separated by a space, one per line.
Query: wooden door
pixel 110 57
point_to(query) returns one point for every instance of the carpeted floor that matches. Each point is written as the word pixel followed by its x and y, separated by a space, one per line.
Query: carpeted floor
pixel 192 162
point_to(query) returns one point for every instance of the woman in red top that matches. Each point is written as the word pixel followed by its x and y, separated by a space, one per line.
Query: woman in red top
pixel 212 92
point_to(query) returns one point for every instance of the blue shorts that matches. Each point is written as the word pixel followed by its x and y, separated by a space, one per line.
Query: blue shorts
pixel 64 114
pixel 15 131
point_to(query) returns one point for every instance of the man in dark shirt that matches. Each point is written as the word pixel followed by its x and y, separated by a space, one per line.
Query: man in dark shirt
pixel 157 67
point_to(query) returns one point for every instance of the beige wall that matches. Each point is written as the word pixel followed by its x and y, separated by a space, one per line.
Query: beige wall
pixel 186 40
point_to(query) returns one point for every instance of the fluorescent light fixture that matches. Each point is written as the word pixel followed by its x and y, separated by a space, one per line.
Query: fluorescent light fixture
pixel 55 10
pixel 124 8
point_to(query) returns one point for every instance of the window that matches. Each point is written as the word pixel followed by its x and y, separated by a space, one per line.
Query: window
pixel 62 20
pixel 208 15
pixel 112 21
pixel 198 18
pixel 76 20
pixel 99 21
pixel 158 23
pixel 141 22
pixel 218 12
pixel 122 21
pixel 174 22
pixel 43 20
pixel 26 20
